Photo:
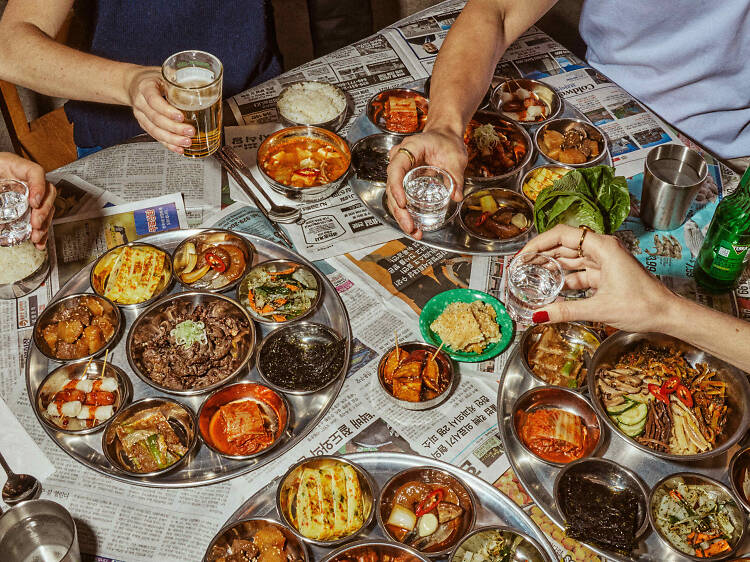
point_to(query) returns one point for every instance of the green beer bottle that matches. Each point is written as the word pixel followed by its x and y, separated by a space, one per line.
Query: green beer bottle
pixel 721 258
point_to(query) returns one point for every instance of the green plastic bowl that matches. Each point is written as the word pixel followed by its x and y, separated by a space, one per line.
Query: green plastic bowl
pixel 435 307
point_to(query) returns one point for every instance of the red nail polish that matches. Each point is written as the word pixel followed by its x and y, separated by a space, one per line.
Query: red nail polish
pixel 540 317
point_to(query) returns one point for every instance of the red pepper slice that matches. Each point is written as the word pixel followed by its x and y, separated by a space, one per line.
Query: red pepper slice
pixel 430 502
pixel 655 389
pixel 670 385
pixel 308 172
pixel 684 395
pixel 215 262
pixel 483 217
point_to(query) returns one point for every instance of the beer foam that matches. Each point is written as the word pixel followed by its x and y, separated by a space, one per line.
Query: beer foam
pixel 191 99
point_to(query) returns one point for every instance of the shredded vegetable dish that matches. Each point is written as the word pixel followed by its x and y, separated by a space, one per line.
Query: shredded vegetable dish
pixel 278 294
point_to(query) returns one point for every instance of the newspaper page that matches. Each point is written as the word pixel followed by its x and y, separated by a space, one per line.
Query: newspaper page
pixel 76 196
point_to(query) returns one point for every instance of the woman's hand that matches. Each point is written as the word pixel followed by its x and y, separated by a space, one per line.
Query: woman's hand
pixel 41 193
pixel 157 117
pixel 436 147
pixel 626 295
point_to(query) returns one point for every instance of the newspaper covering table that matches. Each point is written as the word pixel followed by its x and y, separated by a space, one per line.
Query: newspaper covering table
pixel 383 278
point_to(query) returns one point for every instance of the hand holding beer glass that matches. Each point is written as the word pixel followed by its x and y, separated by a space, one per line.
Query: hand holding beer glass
pixel 192 83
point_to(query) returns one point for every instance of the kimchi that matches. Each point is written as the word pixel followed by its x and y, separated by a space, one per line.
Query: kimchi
pixel 554 435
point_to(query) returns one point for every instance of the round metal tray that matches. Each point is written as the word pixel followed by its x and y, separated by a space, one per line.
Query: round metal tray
pixel 494 507
pixel 205 466
pixel 538 478
pixel 452 238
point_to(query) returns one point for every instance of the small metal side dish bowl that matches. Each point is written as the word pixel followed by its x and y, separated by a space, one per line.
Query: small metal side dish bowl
pixel 506 199
pixel 307 333
pixel 738 466
pixel 527 176
pixel 93 370
pixel 70 301
pixel 333 124
pixel 150 320
pixel 572 332
pixel 691 479
pixel 737 389
pixel 382 97
pixel 29 283
pixel 560 125
pixel 607 473
pixel 527 549
pixel 305 194
pixel 543 397
pixel 216 237
pixel 181 419
pixel 160 291
pixel 278 265
pixel 432 475
pixel 264 396
pixel 291 477
pixel 370 157
pixel 246 529
pixel 384 550
pixel 444 362
pixel 544 92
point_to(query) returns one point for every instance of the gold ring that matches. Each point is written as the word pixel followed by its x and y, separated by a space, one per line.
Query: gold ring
pixel 412 159
pixel 584 231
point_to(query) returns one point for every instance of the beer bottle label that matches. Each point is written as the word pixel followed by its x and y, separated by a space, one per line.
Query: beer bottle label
pixel 728 261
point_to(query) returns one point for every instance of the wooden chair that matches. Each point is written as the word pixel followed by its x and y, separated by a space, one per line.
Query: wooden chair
pixel 47 140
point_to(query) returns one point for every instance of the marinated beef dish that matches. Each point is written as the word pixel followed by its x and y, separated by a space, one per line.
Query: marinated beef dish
pixel 416 375
pixel 266 544
pixel 574 143
pixel 495 146
pixel 79 328
pixel 191 348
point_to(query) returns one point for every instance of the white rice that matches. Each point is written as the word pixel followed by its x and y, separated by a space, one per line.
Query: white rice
pixel 311 102
pixel 17 262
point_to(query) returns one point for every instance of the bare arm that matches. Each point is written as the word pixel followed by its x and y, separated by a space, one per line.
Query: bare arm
pixel 30 57
pixel 463 71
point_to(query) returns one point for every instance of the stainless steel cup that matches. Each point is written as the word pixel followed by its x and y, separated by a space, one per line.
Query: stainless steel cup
pixel 38 531
pixel 671 179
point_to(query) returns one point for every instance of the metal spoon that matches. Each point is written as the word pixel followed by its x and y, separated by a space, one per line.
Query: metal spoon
pixel 19 487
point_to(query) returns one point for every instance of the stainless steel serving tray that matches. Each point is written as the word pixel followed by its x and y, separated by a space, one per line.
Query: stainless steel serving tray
pixel 452 238
pixel 205 466
pixel 494 507
pixel 538 478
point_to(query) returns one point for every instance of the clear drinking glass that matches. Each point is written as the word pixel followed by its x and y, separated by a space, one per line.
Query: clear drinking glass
pixel 15 213
pixel 534 280
pixel 38 531
pixel 428 192
pixel 193 83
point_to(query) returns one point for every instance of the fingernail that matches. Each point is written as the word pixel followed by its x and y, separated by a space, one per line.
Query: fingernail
pixel 186 142
pixel 540 317
pixel 36 200
pixel 188 131
pixel 179 117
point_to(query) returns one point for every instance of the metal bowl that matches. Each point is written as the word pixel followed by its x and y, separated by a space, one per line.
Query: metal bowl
pixel 564 399
pixel 384 550
pixel 247 248
pixel 525 177
pixel 273 404
pixel 245 529
pixel 279 264
pixel 287 486
pixel 692 478
pixel 161 290
pixel 545 93
pixel 610 474
pixel 428 474
pixel 527 549
pixel 510 178
pixel 180 418
pixel 67 302
pixel 370 157
pixel 29 283
pixel 561 125
pixel 444 362
pixel 572 332
pixel 307 333
pixel 92 370
pixel 737 394
pixel 382 96
pixel 150 322
pixel 306 194
pixel 333 124
pixel 505 199
pixel 738 465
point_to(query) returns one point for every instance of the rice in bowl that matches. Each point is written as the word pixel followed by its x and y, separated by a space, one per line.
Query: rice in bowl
pixel 311 103
pixel 19 261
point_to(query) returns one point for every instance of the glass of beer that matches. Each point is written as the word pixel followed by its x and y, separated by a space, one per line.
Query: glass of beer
pixel 193 85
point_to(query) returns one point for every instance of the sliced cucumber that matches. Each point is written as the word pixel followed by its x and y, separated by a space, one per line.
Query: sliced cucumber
pixel 639 398
pixel 620 408
pixel 633 416
pixel 632 430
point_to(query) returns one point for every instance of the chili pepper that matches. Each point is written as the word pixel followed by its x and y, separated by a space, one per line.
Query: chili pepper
pixel 215 262
pixel 684 395
pixel 655 389
pixel 307 172
pixel 430 502
pixel 483 218
pixel 670 385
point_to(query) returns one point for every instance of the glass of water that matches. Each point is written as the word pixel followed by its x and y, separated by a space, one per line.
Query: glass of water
pixel 15 213
pixel 428 192
pixel 38 530
pixel 534 280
